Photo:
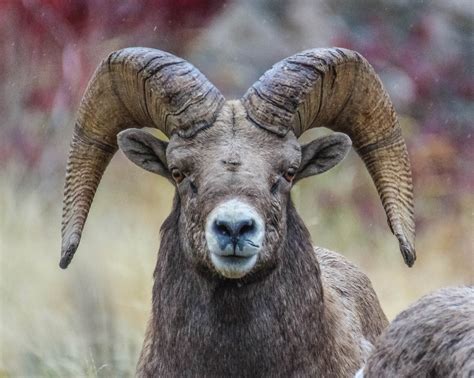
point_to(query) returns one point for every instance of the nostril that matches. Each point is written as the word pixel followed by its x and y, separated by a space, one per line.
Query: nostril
pixel 234 229
pixel 222 228
pixel 245 227
pixel 234 234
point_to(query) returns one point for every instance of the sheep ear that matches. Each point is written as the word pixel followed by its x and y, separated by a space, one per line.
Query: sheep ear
pixel 322 154
pixel 144 150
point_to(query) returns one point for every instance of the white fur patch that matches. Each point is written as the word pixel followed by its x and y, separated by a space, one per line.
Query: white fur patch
pixel 227 261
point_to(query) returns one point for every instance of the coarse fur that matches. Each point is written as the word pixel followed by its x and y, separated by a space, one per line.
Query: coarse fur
pixel 239 289
pixel 305 318
pixel 434 338
pixel 290 315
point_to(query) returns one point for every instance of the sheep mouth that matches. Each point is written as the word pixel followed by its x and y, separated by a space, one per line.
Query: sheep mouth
pixel 236 258
pixel 233 265
pixel 236 252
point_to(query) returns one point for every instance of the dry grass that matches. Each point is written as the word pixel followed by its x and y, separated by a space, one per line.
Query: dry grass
pixel 89 320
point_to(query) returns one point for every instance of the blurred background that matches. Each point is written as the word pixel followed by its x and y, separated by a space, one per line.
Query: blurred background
pixel 89 320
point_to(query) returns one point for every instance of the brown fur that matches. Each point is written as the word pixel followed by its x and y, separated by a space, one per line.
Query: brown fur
pixel 293 311
pixel 434 338
pixel 296 321
pixel 297 312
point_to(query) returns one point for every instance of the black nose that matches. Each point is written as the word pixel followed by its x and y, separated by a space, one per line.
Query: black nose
pixel 234 230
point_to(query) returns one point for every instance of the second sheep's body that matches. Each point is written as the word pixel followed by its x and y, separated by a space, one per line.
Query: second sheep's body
pixel 434 337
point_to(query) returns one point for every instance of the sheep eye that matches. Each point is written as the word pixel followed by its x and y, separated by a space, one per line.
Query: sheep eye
pixel 177 175
pixel 290 174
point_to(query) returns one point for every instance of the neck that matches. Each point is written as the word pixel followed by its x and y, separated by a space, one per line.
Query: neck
pixel 220 327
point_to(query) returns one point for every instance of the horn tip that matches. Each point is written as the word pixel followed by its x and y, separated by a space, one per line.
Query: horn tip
pixel 408 251
pixel 68 250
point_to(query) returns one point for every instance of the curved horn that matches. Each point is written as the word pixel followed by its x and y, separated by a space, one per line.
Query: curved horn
pixel 338 89
pixel 134 87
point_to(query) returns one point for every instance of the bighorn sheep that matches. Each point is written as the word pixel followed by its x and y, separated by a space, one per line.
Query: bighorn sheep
pixel 434 337
pixel 239 290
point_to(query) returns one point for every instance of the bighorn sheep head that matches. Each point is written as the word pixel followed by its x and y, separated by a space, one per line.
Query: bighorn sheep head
pixel 233 163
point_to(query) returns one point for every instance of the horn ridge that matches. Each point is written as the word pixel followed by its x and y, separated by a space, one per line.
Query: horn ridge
pixel 339 89
pixel 132 87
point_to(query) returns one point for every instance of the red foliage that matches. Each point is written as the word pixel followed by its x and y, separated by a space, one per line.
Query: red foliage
pixel 62 30
pixel 77 18
pixel 52 41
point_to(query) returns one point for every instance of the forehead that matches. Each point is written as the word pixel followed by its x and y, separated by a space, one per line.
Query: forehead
pixel 236 140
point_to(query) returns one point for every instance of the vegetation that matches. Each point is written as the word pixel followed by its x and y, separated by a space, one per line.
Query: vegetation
pixel 89 320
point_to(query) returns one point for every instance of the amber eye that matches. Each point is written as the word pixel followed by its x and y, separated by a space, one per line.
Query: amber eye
pixel 177 175
pixel 290 174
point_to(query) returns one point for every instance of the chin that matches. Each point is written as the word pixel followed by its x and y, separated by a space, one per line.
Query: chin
pixel 233 267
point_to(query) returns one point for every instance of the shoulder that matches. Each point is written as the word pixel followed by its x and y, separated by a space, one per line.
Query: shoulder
pixel 345 282
pixel 342 274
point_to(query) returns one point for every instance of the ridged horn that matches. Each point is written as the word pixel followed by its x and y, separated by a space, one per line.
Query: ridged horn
pixel 338 89
pixel 134 87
